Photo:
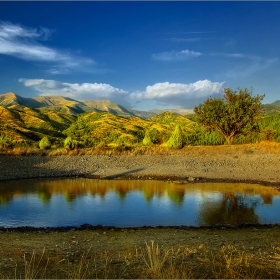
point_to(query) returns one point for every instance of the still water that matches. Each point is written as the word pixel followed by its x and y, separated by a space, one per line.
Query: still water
pixel 72 202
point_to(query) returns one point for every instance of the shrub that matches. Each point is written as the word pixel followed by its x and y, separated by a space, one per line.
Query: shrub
pixel 147 139
pixel 176 139
pixel 69 143
pixel 5 142
pixel 45 143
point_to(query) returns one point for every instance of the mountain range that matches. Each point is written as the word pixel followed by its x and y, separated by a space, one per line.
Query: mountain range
pixel 30 119
pixel 27 120
pixel 68 105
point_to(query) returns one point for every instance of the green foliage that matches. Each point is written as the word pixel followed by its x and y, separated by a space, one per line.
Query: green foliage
pixel 45 143
pixel 147 139
pixel 199 136
pixel 236 114
pixel 69 143
pixel 5 142
pixel 270 128
pixel 176 139
pixel 191 117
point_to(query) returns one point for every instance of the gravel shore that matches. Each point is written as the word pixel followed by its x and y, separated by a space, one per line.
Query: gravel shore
pixel 220 164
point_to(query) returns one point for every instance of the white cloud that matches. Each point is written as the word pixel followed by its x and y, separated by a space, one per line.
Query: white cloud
pixel 22 42
pixel 180 95
pixel 85 91
pixel 176 55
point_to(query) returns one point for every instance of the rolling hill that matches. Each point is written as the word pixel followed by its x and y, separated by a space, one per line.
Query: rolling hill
pixel 113 129
pixel 27 120
pixel 70 106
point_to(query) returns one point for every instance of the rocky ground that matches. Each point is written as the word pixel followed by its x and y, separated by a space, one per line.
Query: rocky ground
pixel 230 163
pixel 122 250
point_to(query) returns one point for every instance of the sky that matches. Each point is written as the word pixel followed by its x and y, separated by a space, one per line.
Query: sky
pixel 143 55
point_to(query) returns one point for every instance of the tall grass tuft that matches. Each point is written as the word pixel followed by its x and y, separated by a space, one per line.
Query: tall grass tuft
pixel 33 268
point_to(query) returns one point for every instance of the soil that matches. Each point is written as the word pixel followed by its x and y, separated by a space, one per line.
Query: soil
pixel 66 246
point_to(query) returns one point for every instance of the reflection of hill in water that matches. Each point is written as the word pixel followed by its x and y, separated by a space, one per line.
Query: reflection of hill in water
pixel 73 188
pixel 207 203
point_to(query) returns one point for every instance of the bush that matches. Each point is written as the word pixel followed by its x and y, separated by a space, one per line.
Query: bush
pixel 147 139
pixel 5 142
pixel 176 139
pixel 69 143
pixel 45 143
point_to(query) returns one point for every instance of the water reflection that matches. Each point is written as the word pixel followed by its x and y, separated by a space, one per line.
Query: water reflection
pixel 134 203
pixel 231 209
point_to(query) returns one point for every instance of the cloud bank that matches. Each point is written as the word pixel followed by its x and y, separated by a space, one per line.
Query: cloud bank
pixel 85 91
pixel 176 55
pixel 167 94
pixel 180 95
pixel 23 43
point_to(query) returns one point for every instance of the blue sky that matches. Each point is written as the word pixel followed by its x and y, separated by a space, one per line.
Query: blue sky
pixel 140 54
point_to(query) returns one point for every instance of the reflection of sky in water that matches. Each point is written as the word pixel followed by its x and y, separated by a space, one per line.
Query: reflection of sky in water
pixel 183 205
pixel 269 213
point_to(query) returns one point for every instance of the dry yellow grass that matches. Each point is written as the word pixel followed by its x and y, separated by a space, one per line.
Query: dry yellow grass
pixel 152 262
pixel 264 147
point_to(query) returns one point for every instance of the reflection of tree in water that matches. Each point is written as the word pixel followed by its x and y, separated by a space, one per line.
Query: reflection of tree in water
pixel 148 194
pixel 45 196
pixel 176 195
pixel 267 198
pixel 232 209
pixel 70 197
pixel 122 191
pixel 6 198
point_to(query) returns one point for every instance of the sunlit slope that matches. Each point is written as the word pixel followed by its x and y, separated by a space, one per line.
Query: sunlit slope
pixel 96 127
pixel 24 123
pixel 170 120
pixel 271 109
pixel 116 109
pixel 11 99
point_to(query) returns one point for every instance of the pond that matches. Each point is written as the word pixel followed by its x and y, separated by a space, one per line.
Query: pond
pixel 133 203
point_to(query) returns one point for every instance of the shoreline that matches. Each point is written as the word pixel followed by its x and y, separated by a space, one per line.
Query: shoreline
pixel 174 179
pixel 238 164
pixel 26 229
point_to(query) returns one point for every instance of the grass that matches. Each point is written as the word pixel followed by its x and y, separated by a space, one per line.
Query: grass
pixel 263 147
pixel 153 262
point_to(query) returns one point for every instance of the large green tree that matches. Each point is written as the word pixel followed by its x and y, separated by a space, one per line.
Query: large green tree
pixel 235 114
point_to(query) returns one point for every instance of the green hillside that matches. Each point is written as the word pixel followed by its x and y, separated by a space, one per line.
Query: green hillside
pixel 276 103
pixel 94 128
pixel 23 124
pixel 109 124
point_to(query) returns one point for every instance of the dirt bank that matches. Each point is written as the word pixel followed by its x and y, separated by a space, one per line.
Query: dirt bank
pixel 232 163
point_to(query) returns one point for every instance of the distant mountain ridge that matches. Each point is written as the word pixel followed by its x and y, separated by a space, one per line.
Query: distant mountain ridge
pixel 71 106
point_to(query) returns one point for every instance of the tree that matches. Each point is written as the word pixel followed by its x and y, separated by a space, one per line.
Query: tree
pixel 176 139
pixel 45 143
pixel 235 114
